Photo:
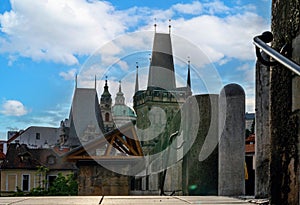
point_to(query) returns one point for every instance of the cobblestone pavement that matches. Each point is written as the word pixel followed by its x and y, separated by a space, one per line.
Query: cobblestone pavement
pixel 120 200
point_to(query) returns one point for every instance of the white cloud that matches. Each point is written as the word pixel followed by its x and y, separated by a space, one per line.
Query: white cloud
pixel 193 8
pixel 62 30
pixel 216 7
pixel 59 30
pixel 69 75
pixel 13 108
pixel 223 36
pixel 123 65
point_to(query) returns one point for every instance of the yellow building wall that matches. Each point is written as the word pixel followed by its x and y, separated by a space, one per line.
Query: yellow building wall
pixel 11 179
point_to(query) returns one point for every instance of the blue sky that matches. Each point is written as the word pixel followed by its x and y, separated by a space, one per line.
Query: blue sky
pixel 43 44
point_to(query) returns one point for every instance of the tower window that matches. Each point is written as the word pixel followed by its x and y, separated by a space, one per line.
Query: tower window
pixel 106 117
pixel 37 136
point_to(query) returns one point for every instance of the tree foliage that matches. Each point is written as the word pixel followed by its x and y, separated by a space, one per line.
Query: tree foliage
pixel 61 186
pixel 64 186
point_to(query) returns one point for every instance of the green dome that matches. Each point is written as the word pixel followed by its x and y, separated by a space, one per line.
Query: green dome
pixel 123 110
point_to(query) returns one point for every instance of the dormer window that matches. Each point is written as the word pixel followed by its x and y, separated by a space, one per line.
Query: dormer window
pixel 51 159
pixel 24 157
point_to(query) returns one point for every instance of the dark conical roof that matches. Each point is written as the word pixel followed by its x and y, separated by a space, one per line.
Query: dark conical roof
pixel 85 113
pixel 161 72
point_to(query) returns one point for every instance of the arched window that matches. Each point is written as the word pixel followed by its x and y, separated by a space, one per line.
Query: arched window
pixel 107 117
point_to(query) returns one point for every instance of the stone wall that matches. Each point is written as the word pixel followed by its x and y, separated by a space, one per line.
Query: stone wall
pixel 201 177
pixel 284 122
pixel 94 180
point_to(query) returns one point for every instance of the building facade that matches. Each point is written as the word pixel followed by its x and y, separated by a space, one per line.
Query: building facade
pixel 19 170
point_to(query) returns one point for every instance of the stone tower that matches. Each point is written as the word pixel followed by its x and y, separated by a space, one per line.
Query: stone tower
pixel 157 105
pixel 106 105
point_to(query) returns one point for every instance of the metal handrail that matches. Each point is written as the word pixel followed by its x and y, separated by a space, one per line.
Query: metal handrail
pixel 261 43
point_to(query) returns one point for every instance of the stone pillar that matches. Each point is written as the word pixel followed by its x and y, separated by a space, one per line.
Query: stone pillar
pixel 200 164
pixel 232 141
pixel 262 136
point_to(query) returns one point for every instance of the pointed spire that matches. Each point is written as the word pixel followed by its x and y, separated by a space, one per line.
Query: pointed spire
pixel 137 78
pixel 106 96
pixel 188 81
pixel 106 92
pixel 120 89
pixel 120 99
pixel 155 25
pixel 189 74
pixel 169 26
pixel 76 80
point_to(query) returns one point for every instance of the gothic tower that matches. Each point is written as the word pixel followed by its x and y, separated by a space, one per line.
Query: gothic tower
pixel 158 104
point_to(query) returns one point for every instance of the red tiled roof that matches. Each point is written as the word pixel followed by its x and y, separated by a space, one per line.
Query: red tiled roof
pixel 61 151
pixel 250 148
pixel 35 157
pixel 251 138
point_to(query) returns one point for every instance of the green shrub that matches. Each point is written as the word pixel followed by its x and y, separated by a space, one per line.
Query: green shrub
pixel 64 186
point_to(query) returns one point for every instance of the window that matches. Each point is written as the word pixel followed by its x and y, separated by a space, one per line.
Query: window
pixel 107 117
pixel 11 182
pixel 37 136
pixel 25 182
pixel 51 179
pixel 147 182
pixel 24 157
pixel 51 159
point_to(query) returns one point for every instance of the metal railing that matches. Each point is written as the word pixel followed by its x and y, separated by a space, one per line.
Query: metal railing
pixel 261 43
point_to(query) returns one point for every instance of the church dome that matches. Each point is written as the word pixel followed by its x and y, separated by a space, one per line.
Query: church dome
pixel 122 113
pixel 123 110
